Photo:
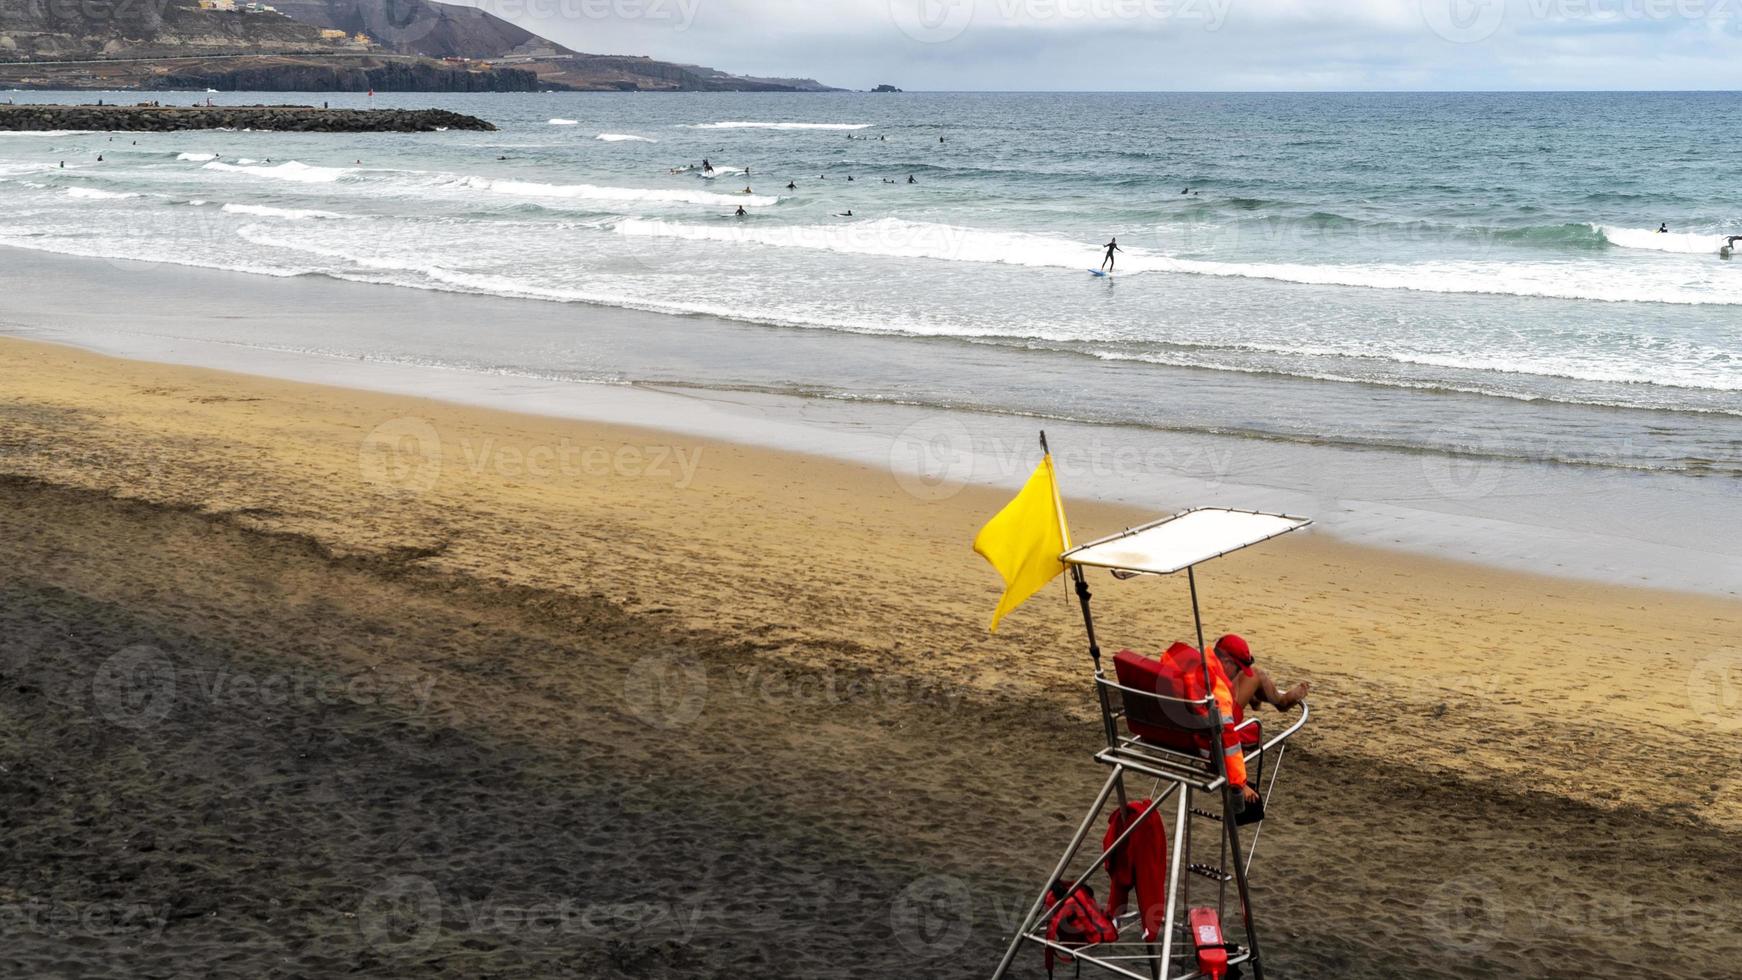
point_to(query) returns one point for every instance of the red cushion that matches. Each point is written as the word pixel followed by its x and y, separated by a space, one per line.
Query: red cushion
pixel 1162 722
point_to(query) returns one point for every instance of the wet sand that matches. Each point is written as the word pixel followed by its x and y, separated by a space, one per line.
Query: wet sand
pixel 303 681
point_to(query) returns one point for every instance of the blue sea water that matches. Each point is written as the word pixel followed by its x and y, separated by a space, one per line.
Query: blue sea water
pixel 1477 274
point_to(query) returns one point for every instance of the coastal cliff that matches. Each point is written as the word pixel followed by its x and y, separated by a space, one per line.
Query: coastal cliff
pixel 318 45
pixel 311 75
pixel 280 118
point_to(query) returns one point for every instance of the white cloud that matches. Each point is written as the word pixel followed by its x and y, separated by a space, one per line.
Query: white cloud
pixel 1170 44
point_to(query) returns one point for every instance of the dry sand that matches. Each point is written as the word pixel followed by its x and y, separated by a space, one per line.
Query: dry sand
pixel 300 681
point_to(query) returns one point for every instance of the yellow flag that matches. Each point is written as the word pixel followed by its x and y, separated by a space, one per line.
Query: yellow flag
pixel 1024 540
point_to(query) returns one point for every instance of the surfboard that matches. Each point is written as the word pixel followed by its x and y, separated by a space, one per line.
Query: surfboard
pixel 1098 273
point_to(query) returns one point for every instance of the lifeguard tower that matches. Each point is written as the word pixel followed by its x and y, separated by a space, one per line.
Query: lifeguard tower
pixel 1169 747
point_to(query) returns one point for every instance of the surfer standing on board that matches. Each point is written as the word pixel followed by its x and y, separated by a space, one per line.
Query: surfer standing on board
pixel 1111 247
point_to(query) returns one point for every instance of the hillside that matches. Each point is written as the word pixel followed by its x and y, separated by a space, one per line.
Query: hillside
pixel 436 30
pixel 53 30
pixel 388 45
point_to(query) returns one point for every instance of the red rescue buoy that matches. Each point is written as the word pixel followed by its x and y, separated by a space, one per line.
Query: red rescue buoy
pixel 1207 935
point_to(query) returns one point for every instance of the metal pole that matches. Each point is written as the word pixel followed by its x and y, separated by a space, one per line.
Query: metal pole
pixel 1175 880
pixel 1233 831
pixel 1109 727
pixel 1057 872
pixel 1231 795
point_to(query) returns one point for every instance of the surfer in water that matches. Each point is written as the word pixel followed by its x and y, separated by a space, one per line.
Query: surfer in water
pixel 1111 247
pixel 707 167
pixel 791 186
pixel 1663 228
pixel 741 212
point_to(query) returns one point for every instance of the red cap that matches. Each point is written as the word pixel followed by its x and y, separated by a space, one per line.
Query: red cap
pixel 1232 645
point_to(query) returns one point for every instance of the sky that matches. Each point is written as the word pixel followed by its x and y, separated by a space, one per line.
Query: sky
pixel 1171 45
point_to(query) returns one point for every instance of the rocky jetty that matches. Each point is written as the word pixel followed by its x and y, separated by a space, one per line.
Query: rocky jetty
pixel 280 118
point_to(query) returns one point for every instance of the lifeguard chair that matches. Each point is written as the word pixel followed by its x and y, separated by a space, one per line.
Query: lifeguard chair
pixel 1172 742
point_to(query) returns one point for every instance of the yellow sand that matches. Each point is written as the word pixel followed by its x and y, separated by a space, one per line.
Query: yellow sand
pixel 1432 663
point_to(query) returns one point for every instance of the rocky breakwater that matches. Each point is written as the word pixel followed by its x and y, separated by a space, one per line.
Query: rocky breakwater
pixel 281 118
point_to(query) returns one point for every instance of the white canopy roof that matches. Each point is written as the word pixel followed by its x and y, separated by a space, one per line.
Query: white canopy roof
pixel 1183 540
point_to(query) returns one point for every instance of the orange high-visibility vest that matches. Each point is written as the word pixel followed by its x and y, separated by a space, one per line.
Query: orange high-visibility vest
pixel 1190 663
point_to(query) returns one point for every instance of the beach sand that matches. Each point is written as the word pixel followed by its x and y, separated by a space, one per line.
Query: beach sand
pixel 305 681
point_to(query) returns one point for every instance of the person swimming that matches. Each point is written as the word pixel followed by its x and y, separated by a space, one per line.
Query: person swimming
pixel 1111 247
pixel 791 186
pixel 740 212
pixel 747 188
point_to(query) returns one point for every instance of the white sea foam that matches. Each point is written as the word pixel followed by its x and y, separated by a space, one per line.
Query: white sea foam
pixel 1651 238
pixel 594 192
pixel 624 138
pixel 291 214
pixel 196 157
pixel 300 173
pixel 93 194
pixel 774 125
pixel 896 238
pixel 564 122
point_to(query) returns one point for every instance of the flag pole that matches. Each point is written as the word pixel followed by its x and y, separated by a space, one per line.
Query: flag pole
pixel 1058 500
pixel 1110 729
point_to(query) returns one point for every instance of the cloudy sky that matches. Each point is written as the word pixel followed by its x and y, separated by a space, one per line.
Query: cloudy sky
pixel 1193 45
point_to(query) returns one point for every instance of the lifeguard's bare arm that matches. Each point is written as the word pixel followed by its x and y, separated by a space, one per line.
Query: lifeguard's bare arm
pixel 1266 689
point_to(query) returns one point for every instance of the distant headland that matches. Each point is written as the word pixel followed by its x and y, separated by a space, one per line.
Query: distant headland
pixel 321 45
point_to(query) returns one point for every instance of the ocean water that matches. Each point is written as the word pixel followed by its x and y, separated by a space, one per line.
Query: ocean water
pixel 1471 274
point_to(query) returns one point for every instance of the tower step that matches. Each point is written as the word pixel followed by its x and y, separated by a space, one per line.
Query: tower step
pixel 1210 871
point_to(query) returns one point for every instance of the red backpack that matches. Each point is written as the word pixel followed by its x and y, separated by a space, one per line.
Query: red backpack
pixel 1076 921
